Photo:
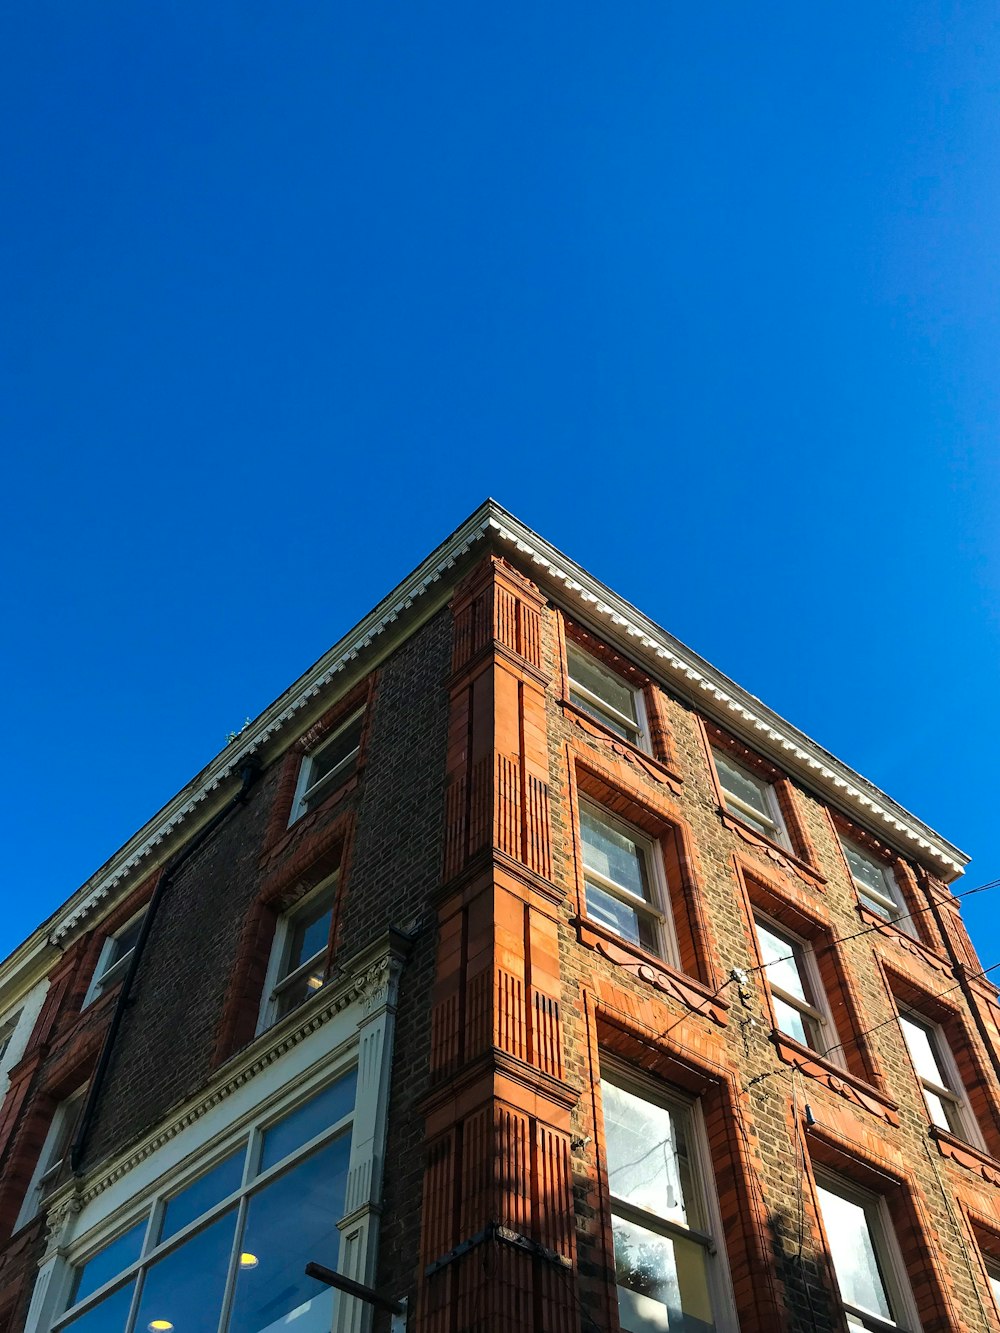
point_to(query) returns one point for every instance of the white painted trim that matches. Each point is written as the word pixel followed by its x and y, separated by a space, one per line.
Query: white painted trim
pixel 620 623
pixel 350 1022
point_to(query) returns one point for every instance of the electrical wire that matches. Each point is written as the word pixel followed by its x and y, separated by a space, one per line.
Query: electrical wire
pixel 738 975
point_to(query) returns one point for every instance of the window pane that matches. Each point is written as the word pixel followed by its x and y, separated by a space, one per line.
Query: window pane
pixel 749 790
pixel 341 747
pixel 781 965
pixel 611 853
pixel 853 1252
pixel 662 1283
pixel 921 1048
pixel 203 1194
pixel 866 871
pixel 289 1223
pixel 648 1163
pixel 624 920
pixel 791 1022
pixel 584 671
pixel 995 1287
pixel 109 1262
pixel 938 1110
pixel 879 908
pixel 297 992
pixel 185 1288
pixel 126 941
pixel 310 933
pixel 107 1316
pixel 310 1119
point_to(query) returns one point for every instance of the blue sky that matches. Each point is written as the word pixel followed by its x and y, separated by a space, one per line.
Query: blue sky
pixel 708 295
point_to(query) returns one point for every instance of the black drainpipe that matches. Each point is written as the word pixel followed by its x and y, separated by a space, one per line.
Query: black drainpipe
pixel 249 772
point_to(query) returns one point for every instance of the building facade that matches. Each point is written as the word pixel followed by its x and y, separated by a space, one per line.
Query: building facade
pixel 523 968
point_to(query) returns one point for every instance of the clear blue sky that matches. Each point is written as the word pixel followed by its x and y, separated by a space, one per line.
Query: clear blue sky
pixel 707 294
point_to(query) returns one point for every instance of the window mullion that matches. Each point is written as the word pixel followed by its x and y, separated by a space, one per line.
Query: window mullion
pixel 234 1264
pixel 663 1225
pixel 301 971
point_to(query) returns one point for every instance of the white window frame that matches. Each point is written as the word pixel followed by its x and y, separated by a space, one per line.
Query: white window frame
pixel 48 1168
pixel 891 901
pixel 658 909
pixel 252 1181
pixel 895 1280
pixel 307 791
pixel 993 1278
pixel 8 1030
pixel 740 809
pixel 817 1011
pixel 966 1127
pixel 277 980
pixel 639 728
pixel 703 1182
pixel 108 973
pixel 271 1077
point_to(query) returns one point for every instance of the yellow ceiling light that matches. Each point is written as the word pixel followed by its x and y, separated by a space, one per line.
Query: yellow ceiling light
pixel 248 1260
pixel 314 983
pixel 160 1326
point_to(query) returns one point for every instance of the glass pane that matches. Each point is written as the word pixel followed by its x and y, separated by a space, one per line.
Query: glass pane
pixel 791 1022
pixel 341 747
pixel 296 992
pixel 995 1287
pixel 310 932
pixel 107 1316
pixel 853 1252
pixel 109 1262
pixel 781 963
pixel 879 908
pixel 610 689
pixel 921 1047
pixel 184 1290
pixel 624 920
pixel 747 789
pixel 289 1223
pixel 866 871
pixel 937 1109
pixel 126 941
pixel 662 1282
pixel 612 723
pixel 309 1119
pixel 203 1194
pixel 648 1162
pixel 613 854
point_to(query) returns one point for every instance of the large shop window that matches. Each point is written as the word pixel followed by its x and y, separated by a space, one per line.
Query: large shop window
pixel 226 1252
pixel 667 1261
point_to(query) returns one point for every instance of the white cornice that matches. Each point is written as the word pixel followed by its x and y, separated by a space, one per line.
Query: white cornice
pixel 571 585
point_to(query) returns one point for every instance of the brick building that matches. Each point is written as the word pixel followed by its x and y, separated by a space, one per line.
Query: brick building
pixel 518 963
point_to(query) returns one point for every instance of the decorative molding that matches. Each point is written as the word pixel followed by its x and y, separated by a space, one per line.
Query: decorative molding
pixel 844 1084
pixel 987 1168
pixel 686 672
pixel 668 982
pixel 643 763
pixel 780 856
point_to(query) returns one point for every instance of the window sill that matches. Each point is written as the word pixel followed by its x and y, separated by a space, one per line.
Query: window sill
pixel 845 1084
pixel 773 849
pixel 688 991
pixel 631 754
pixel 973 1159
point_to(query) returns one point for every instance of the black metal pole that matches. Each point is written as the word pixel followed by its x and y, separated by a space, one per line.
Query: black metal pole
pixel 332 1279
